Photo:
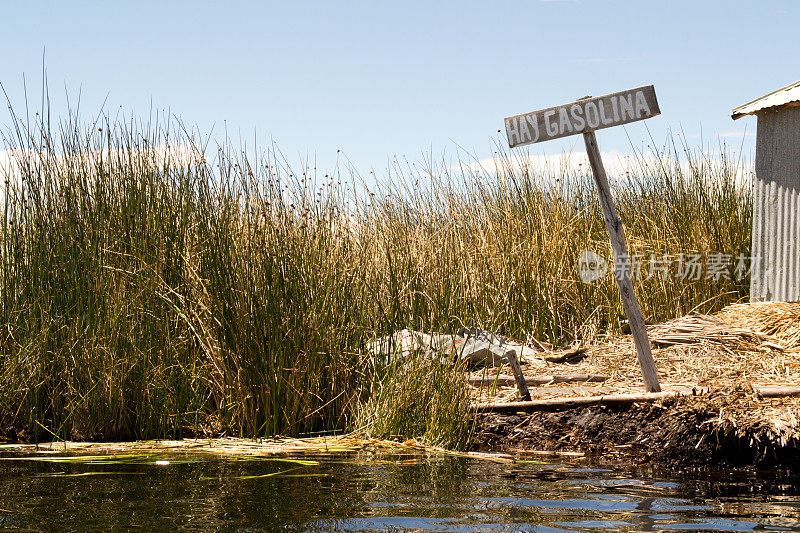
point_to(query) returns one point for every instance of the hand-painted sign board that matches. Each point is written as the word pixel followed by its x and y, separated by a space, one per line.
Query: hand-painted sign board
pixel 583 115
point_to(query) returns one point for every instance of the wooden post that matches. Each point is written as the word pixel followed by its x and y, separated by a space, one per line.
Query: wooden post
pixel 522 385
pixel 622 270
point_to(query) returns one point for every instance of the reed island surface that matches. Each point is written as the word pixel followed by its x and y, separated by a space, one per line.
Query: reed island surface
pixel 730 395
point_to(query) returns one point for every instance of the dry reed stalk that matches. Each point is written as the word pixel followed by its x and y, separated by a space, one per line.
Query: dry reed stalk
pixel 780 320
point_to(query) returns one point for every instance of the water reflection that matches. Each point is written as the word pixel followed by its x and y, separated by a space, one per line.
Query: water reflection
pixel 363 492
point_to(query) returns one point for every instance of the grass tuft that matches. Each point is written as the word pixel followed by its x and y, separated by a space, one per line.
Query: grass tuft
pixel 423 398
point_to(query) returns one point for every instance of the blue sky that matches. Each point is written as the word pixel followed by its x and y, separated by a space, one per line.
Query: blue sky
pixel 384 79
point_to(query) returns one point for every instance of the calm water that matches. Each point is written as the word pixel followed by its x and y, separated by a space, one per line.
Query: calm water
pixel 362 492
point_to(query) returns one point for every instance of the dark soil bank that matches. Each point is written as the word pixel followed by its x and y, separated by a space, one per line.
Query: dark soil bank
pixel 681 433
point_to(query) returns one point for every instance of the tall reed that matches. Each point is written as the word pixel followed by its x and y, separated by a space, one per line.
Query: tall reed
pixel 152 286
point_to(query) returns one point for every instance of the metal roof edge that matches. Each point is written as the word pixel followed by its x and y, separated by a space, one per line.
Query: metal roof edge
pixel 741 111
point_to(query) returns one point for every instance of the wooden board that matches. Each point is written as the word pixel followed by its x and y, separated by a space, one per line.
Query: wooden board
pixel 504 379
pixel 582 116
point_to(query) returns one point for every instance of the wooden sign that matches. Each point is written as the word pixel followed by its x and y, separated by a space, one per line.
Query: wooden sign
pixel 583 115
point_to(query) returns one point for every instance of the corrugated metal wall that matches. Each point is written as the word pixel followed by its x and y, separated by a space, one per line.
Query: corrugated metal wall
pixel 776 207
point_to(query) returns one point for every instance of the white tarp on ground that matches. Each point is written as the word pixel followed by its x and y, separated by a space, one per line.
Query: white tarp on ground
pixel 472 345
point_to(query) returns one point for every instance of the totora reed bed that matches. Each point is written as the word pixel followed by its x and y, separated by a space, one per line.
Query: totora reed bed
pixel 152 287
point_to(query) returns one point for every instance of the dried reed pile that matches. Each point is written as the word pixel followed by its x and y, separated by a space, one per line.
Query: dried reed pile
pixel 743 415
pixel 780 320
pixel 722 357
pixel 226 448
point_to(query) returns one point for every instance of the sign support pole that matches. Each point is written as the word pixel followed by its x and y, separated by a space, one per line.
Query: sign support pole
pixel 622 271
pixel 584 116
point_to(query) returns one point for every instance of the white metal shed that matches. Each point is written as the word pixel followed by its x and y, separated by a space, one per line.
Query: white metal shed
pixel 775 274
